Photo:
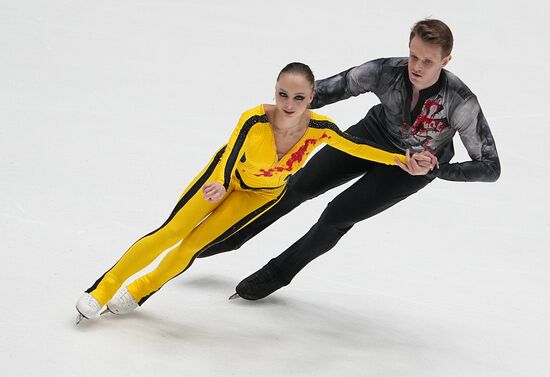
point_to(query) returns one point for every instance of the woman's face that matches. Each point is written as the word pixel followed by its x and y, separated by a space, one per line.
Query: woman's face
pixel 293 93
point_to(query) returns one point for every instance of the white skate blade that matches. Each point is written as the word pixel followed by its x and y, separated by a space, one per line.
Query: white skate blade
pixel 234 296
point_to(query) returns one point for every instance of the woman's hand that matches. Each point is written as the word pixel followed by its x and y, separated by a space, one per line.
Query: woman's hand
pixel 213 192
pixel 426 159
pixel 419 163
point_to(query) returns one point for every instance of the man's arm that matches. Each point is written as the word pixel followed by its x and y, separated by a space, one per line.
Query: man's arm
pixel 352 82
pixel 476 136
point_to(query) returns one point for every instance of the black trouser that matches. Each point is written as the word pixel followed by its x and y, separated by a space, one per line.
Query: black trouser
pixel 379 188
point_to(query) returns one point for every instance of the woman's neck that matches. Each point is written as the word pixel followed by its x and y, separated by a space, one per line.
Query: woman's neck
pixel 282 123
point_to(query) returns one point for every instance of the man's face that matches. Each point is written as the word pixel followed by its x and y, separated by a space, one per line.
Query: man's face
pixel 425 63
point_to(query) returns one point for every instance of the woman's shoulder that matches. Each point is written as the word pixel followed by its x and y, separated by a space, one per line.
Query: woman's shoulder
pixel 260 110
pixel 321 119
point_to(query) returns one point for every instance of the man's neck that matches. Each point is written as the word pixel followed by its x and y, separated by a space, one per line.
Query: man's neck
pixel 414 99
pixel 415 91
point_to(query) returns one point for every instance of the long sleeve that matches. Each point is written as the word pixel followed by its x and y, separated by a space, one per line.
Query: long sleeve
pixel 352 82
pixel 355 146
pixel 476 136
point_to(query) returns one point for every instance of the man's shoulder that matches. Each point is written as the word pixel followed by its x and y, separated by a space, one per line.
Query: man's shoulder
pixel 377 74
pixel 456 86
pixel 393 62
pixel 463 103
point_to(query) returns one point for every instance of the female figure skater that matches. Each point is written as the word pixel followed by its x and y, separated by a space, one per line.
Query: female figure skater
pixel 245 178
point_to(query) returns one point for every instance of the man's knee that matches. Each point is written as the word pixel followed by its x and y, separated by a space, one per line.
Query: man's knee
pixel 335 220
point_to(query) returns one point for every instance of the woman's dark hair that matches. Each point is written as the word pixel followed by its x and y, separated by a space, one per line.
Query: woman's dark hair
pixel 296 68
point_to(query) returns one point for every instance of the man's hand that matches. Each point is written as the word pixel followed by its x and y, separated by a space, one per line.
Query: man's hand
pixel 213 192
pixel 419 164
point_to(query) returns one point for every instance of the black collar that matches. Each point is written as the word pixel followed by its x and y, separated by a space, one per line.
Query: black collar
pixel 424 94
pixel 427 92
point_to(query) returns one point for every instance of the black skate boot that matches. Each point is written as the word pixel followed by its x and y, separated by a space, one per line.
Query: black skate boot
pixel 260 284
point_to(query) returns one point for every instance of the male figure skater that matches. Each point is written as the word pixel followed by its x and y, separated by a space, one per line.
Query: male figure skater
pixel 422 106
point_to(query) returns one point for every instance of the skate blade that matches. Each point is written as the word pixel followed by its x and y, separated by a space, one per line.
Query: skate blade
pixel 105 311
pixel 79 318
pixel 234 296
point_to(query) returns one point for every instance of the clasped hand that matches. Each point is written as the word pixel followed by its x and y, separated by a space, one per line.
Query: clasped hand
pixel 419 163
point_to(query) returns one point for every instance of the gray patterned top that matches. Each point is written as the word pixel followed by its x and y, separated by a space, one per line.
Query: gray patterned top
pixel 442 110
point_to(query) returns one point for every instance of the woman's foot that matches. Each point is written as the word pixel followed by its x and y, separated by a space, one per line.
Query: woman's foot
pixel 122 302
pixel 87 307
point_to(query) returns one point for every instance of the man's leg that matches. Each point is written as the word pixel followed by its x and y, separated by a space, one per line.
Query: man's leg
pixel 382 187
pixel 327 169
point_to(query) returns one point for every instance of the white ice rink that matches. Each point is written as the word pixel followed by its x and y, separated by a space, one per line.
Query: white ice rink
pixel 109 108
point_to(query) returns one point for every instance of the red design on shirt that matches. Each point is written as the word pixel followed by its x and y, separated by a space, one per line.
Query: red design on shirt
pixel 426 125
pixel 297 156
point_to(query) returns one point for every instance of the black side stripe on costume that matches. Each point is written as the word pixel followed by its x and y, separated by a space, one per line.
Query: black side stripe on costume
pixel 242 222
pixel 246 187
pixel 239 144
pixel 193 190
pixel 234 228
pixel 184 199
pixel 93 287
pixel 325 124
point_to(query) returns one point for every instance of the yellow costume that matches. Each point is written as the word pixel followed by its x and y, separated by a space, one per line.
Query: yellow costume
pixel 255 179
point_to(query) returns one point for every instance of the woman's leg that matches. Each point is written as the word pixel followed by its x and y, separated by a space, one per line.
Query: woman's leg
pixel 189 211
pixel 238 209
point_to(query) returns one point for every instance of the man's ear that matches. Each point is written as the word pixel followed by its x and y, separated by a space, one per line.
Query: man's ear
pixel 446 60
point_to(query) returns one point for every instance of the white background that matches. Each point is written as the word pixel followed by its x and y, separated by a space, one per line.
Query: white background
pixel 109 108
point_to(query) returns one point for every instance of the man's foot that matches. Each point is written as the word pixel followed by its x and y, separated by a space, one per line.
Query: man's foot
pixel 260 284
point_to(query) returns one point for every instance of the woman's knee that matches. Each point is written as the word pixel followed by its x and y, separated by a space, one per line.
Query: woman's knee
pixel 169 232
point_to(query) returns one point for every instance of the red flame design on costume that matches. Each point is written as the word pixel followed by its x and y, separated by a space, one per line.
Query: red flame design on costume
pixel 297 156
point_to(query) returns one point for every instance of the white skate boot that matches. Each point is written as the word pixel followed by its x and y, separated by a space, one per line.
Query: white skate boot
pixel 122 302
pixel 87 307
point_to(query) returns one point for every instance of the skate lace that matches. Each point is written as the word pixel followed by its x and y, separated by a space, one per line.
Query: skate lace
pixel 87 306
pixel 92 302
pixel 262 276
pixel 126 299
